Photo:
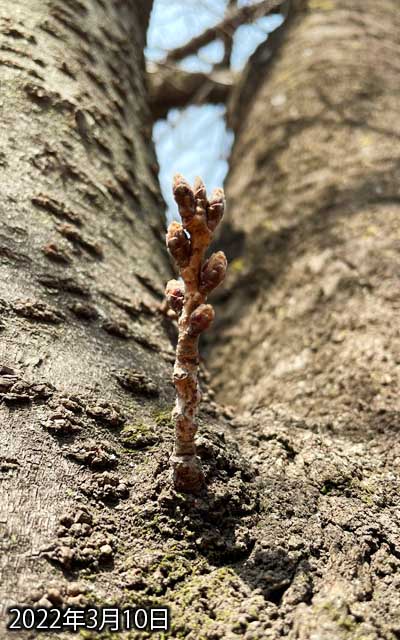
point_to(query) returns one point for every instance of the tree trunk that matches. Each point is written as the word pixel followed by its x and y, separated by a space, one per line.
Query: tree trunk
pixel 83 349
pixel 87 510
pixel 308 341
pixel 296 537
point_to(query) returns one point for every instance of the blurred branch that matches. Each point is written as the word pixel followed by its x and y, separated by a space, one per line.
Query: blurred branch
pixel 227 41
pixel 171 87
pixel 227 26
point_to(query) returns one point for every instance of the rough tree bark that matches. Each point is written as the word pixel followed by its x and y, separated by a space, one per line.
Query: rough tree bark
pixel 298 537
pixel 82 263
pixel 308 340
pixel 87 513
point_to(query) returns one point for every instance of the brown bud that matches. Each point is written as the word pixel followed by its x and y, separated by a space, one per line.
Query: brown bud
pixel 199 190
pixel 215 209
pixel 175 294
pixel 178 244
pixel 184 197
pixel 213 272
pixel 200 319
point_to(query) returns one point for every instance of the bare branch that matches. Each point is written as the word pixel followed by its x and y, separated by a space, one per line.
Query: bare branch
pixel 227 40
pixel 171 87
pixel 228 25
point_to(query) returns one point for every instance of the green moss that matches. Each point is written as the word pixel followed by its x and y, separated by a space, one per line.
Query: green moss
pixel 99 635
pixel 346 624
pixel 164 418
pixel 138 436
pixel 166 572
pixel 365 491
pixel 321 5
pixel 199 597
pixel 219 589
pixel 327 488
pixel 270 225
pixel 237 265
pixel 336 486
pixel 178 580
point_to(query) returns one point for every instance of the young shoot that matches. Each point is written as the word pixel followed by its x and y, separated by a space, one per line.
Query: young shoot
pixel 187 244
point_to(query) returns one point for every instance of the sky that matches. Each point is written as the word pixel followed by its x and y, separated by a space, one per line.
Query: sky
pixel 195 140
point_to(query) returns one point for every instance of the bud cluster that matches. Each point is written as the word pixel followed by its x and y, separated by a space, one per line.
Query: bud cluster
pixel 191 203
pixel 194 201
pixel 187 244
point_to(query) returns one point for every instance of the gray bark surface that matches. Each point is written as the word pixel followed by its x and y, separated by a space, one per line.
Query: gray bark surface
pixel 297 534
pixel 83 348
pixel 87 512
pixel 307 343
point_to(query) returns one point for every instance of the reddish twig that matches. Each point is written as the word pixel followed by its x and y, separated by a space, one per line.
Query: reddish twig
pixel 187 243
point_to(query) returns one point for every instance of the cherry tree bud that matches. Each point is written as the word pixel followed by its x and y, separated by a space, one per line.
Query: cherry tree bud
pixel 178 244
pixel 200 319
pixel 213 272
pixel 199 190
pixel 175 293
pixel 184 198
pixel 215 209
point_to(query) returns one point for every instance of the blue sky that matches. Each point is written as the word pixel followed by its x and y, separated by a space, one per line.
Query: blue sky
pixel 195 141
